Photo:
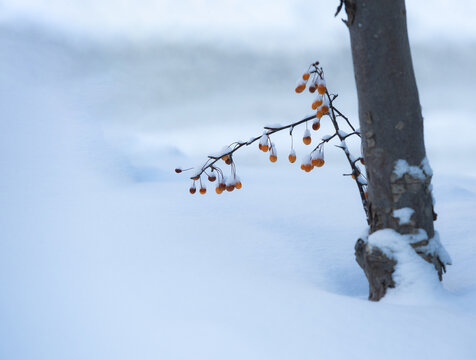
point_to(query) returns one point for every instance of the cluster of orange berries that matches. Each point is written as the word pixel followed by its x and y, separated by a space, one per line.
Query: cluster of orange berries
pixel 321 104
pixel 265 144
pixel 318 83
pixel 315 159
pixel 223 183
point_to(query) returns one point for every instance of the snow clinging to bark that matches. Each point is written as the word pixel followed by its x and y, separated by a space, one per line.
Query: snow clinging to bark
pixel 401 168
pixel 419 172
pixel 404 215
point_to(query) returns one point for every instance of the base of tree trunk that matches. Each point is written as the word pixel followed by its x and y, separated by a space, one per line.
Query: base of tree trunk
pixel 377 267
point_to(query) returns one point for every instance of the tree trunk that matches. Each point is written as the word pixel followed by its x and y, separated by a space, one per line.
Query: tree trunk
pixel 391 125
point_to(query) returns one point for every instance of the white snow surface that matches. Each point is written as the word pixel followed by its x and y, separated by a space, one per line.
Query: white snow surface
pixel 113 269
pixel 104 254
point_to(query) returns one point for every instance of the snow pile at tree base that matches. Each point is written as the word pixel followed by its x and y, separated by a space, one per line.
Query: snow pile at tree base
pixel 416 279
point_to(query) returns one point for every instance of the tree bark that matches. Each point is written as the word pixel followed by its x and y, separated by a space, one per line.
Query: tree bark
pixel 391 125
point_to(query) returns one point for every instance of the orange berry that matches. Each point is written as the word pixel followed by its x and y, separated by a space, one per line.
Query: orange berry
pixel 273 158
pixel 321 89
pixel 193 190
pixel 264 148
pixel 312 89
pixel 308 167
pixel 196 177
pixel 362 161
pixel 178 170
pixel 319 114
pixel 316 125
pixel 260 146
pixel 226 159
pixel 222 186
pixel 292 158
pixel 212 178
pixel 230 187
pixel 203 190
pixel 318 162
pixel 305 76
pixel 316 104
pixel 238 185
pixel 306 140
pixel 324 109
pixel 303 166
pixel 218 190
pixel 300 88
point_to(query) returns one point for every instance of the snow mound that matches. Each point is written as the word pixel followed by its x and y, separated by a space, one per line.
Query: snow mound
pixel 416 280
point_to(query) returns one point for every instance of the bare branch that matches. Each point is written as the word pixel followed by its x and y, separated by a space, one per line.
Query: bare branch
pixel 339 8
pixel 344 117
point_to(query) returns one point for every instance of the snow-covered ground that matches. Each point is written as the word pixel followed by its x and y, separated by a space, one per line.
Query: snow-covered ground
pixel 105 255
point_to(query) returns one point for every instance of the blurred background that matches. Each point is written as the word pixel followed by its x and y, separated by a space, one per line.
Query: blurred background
pixel 104 254
pixel 165 78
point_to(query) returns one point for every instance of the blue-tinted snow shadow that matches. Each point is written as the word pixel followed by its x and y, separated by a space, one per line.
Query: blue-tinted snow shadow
pixel 327 264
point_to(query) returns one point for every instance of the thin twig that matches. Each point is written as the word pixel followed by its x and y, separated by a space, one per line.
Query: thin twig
pixel 348 156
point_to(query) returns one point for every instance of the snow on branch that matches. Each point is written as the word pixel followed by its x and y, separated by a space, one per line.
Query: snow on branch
pixel 323 105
